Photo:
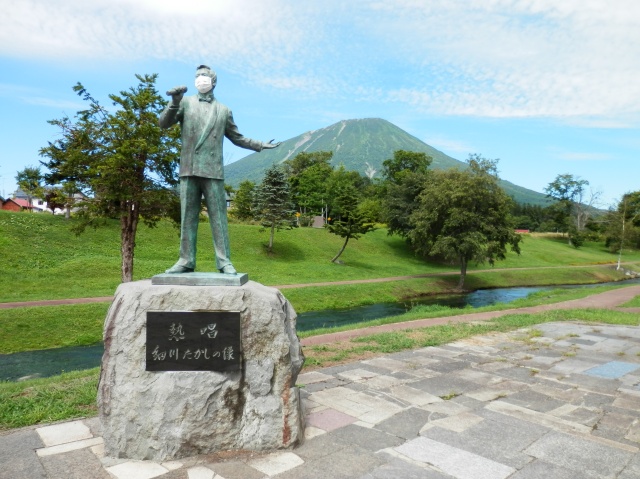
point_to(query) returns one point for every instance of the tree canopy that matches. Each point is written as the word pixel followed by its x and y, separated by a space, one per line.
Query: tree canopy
pixel 273 206
pixel 463 216
pixel 120 159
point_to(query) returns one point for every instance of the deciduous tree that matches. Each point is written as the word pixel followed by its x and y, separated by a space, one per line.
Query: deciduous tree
pixel 348 222
pixel 120 159
pixel 463 216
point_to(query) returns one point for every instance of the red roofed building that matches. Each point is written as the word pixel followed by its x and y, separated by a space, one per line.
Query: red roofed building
pixel 16 204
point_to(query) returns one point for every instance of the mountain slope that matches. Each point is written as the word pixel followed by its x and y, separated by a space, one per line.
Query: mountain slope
pixel 357 144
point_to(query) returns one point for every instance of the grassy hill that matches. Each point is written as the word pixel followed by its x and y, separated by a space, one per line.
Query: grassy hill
pixel 41 259
pixel 358 144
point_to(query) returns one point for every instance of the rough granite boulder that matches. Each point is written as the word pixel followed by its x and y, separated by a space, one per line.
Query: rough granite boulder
pixel 173 414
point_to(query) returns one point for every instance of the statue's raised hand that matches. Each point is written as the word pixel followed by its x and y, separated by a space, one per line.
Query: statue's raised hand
pixel 176 94
pixel 271 144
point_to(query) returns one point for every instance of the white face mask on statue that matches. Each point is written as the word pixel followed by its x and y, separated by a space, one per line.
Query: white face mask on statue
pixel 203 83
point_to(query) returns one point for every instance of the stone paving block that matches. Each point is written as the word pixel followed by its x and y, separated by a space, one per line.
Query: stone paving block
pixel 319 447
pixel 477 376
pixel 399 469
pixel 69 446
pixel 444 385
pixel 234 470
pixel 329 419
pixel 573 365
pixel 200 472
pixel 613 369
pixel 594 383
pixel 379 414
pixel 413 396
pixel 543 470
pixel 447 408
pixel 387 363
pixel 449 366
pixel 592 399
pixel 63 433
pixel 358 374
pixel 310 432
pixel 137 469
pixel 490 439
pixel 371 439
pixel 580 455
pixel 536 417
pixel 458 423
pixel 276 463
pixel 494 440
pixel 627 402
pixel 453 461
pixel 440 352
pixel 533 400
pixel 383 382
pixel 632 470
pixel 80 464
pixel 313 377
pixel 633 433
pixel 347 463
pixel 519 373
pixel 587 416
pixel 322 385
pixel 468 402
pixel 493 366
pixel 406 424
pixel 17 457
pixel 486 395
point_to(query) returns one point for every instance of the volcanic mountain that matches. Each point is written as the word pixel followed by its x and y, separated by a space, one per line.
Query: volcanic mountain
pixel 360 145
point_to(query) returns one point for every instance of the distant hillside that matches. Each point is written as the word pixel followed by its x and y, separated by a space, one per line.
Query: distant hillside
pixel 357 144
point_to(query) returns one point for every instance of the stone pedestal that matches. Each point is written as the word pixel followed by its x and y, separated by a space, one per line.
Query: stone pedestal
pixel 171 414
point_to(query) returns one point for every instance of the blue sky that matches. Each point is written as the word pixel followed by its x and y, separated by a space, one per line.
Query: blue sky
pixel 546 86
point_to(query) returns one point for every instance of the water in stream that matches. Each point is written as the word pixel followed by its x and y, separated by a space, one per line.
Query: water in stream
pixel 51 362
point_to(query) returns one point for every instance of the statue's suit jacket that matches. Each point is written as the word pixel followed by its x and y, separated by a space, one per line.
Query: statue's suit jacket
pixel 203 128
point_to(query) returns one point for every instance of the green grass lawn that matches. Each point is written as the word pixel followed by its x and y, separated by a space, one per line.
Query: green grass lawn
pixel 41 259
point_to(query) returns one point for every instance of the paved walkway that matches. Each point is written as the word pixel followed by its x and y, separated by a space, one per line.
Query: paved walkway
pixel 558 401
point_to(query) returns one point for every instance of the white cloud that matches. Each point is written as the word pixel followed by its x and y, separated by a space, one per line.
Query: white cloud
pixel 493 58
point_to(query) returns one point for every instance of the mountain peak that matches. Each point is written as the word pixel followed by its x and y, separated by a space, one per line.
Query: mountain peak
pixel 358 144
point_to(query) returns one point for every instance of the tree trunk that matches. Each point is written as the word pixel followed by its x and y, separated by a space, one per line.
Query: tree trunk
pixel 273 232
pixel 128 228
pixel 335 258
pixel 463 273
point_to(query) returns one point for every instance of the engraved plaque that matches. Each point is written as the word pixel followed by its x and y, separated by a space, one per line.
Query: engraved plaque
pixel 193 341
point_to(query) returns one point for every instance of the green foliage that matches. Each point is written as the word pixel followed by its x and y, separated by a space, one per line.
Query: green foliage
pixel 569 213
pixel 121 160
pixel 463 216
pixel 307 174
pixel 350 223
pixel 623 224
pixel 30 181
pixel 403 163
pixel 244 201
pixel 273 205
pixel 405 178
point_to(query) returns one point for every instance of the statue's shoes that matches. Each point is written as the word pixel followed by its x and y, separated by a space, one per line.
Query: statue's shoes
pixel 228 269
pixel 177 269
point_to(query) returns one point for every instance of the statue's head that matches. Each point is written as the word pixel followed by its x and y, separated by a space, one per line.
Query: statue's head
pixel 206 79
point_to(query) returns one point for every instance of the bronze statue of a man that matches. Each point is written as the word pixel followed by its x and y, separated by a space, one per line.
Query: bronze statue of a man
pixel 204 123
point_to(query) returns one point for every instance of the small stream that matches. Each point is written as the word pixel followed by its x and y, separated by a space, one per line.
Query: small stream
pixel 51 362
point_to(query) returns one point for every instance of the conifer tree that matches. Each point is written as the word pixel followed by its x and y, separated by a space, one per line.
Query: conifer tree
pixel 273 206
